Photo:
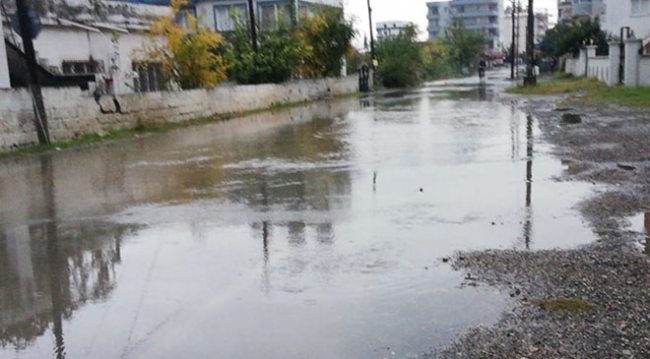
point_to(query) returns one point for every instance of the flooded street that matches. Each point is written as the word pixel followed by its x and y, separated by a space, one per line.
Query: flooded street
pixel 312 232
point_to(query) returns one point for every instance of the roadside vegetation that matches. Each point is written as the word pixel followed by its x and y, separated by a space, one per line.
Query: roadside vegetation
pixel 405 62
pixel 194 57
pixel 589 90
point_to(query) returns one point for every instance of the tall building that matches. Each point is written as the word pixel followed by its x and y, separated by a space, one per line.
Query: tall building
pixel 389 29
pixel 439 16
pixel 481 15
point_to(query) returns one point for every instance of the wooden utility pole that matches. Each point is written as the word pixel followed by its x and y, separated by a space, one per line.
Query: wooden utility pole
pixel 531 79
pixel 251 14
pixel 512 46
pixel 372 37
pixel 26 31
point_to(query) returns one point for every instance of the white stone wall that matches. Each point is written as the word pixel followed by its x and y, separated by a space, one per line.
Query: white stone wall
pixel 644 71
pixel 570 66
pixel 72 112
pixel 599 68
pixel 4 67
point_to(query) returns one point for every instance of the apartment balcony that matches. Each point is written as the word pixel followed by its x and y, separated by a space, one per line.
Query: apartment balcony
pixel 480 13
pixel 475 2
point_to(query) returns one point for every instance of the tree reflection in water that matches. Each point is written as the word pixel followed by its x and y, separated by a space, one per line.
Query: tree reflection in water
pixel 50 269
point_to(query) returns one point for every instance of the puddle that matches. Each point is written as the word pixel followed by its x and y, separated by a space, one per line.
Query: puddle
pixel 571 119
pixel 314 232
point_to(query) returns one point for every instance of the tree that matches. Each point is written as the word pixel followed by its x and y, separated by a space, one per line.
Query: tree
pixel 466 45
pixel 400 59
pixel 325 39
pixel 570 38
pixel 187 56
pixel 437 60
pixel 275 61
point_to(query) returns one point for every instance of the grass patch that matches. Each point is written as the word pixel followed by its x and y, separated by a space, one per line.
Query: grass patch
pixel 624 96
pixel 591 89
pixel 565 304
pixel 562 86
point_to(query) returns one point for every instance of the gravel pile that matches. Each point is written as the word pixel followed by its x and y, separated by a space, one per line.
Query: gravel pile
pixel 591 302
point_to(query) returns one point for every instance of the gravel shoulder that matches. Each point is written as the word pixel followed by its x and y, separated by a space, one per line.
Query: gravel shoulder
pixel 592 301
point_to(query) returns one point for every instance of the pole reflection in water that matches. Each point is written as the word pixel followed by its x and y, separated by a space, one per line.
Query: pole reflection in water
pixel 53 257
pixel 528 222
pixel 646 224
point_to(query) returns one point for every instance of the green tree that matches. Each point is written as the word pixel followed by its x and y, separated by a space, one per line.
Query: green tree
pixel 465 45
pixel 570 38
pixel 277 57
pixel 437 60
pixel 325 39
pixel 400 59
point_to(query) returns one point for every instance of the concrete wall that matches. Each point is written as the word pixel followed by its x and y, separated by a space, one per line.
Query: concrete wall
pixel 73 113
pixel 4 67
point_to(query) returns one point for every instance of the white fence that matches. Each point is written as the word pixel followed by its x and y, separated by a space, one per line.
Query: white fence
pixel 607 68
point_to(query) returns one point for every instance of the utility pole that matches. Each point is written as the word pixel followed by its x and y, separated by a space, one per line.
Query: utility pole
pixel 512 46
pixel 251 14
pixel 26 31
pixel 372 37
pixel 531 79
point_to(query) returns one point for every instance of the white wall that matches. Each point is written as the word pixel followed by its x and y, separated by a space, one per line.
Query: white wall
pixel 644 71
pixel 72 112
pixel 4 67
pixel 599 68
pixel 619 14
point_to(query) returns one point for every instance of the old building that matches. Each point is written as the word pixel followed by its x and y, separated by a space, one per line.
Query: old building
pixel 85 44
pixel 222 15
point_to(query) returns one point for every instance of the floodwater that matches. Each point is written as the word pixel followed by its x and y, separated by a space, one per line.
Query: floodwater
pixel 314 232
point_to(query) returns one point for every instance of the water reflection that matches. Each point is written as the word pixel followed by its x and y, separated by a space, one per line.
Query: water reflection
pixel 646 225
pixel 528 221
pixel 49 269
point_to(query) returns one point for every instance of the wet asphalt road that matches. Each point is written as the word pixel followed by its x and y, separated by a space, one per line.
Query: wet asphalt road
pixel 313 232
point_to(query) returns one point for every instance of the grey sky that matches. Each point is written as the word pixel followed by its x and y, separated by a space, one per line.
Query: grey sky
pixel 408 10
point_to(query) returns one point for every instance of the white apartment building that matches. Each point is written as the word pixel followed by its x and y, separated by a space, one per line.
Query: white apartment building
pixel 541 19
pixel 390 29
pixel 632 13
pixel 484 16
pixel 570 9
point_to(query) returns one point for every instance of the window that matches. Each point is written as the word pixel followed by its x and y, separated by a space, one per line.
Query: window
pixel 82 67
pixel 227 17
pixel 640 7
pixel 270 15
pixel 149 77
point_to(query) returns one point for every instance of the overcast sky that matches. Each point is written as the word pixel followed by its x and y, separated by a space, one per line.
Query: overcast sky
pixel 408 10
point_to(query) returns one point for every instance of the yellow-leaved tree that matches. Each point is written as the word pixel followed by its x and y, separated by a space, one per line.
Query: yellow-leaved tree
pixel 188 55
